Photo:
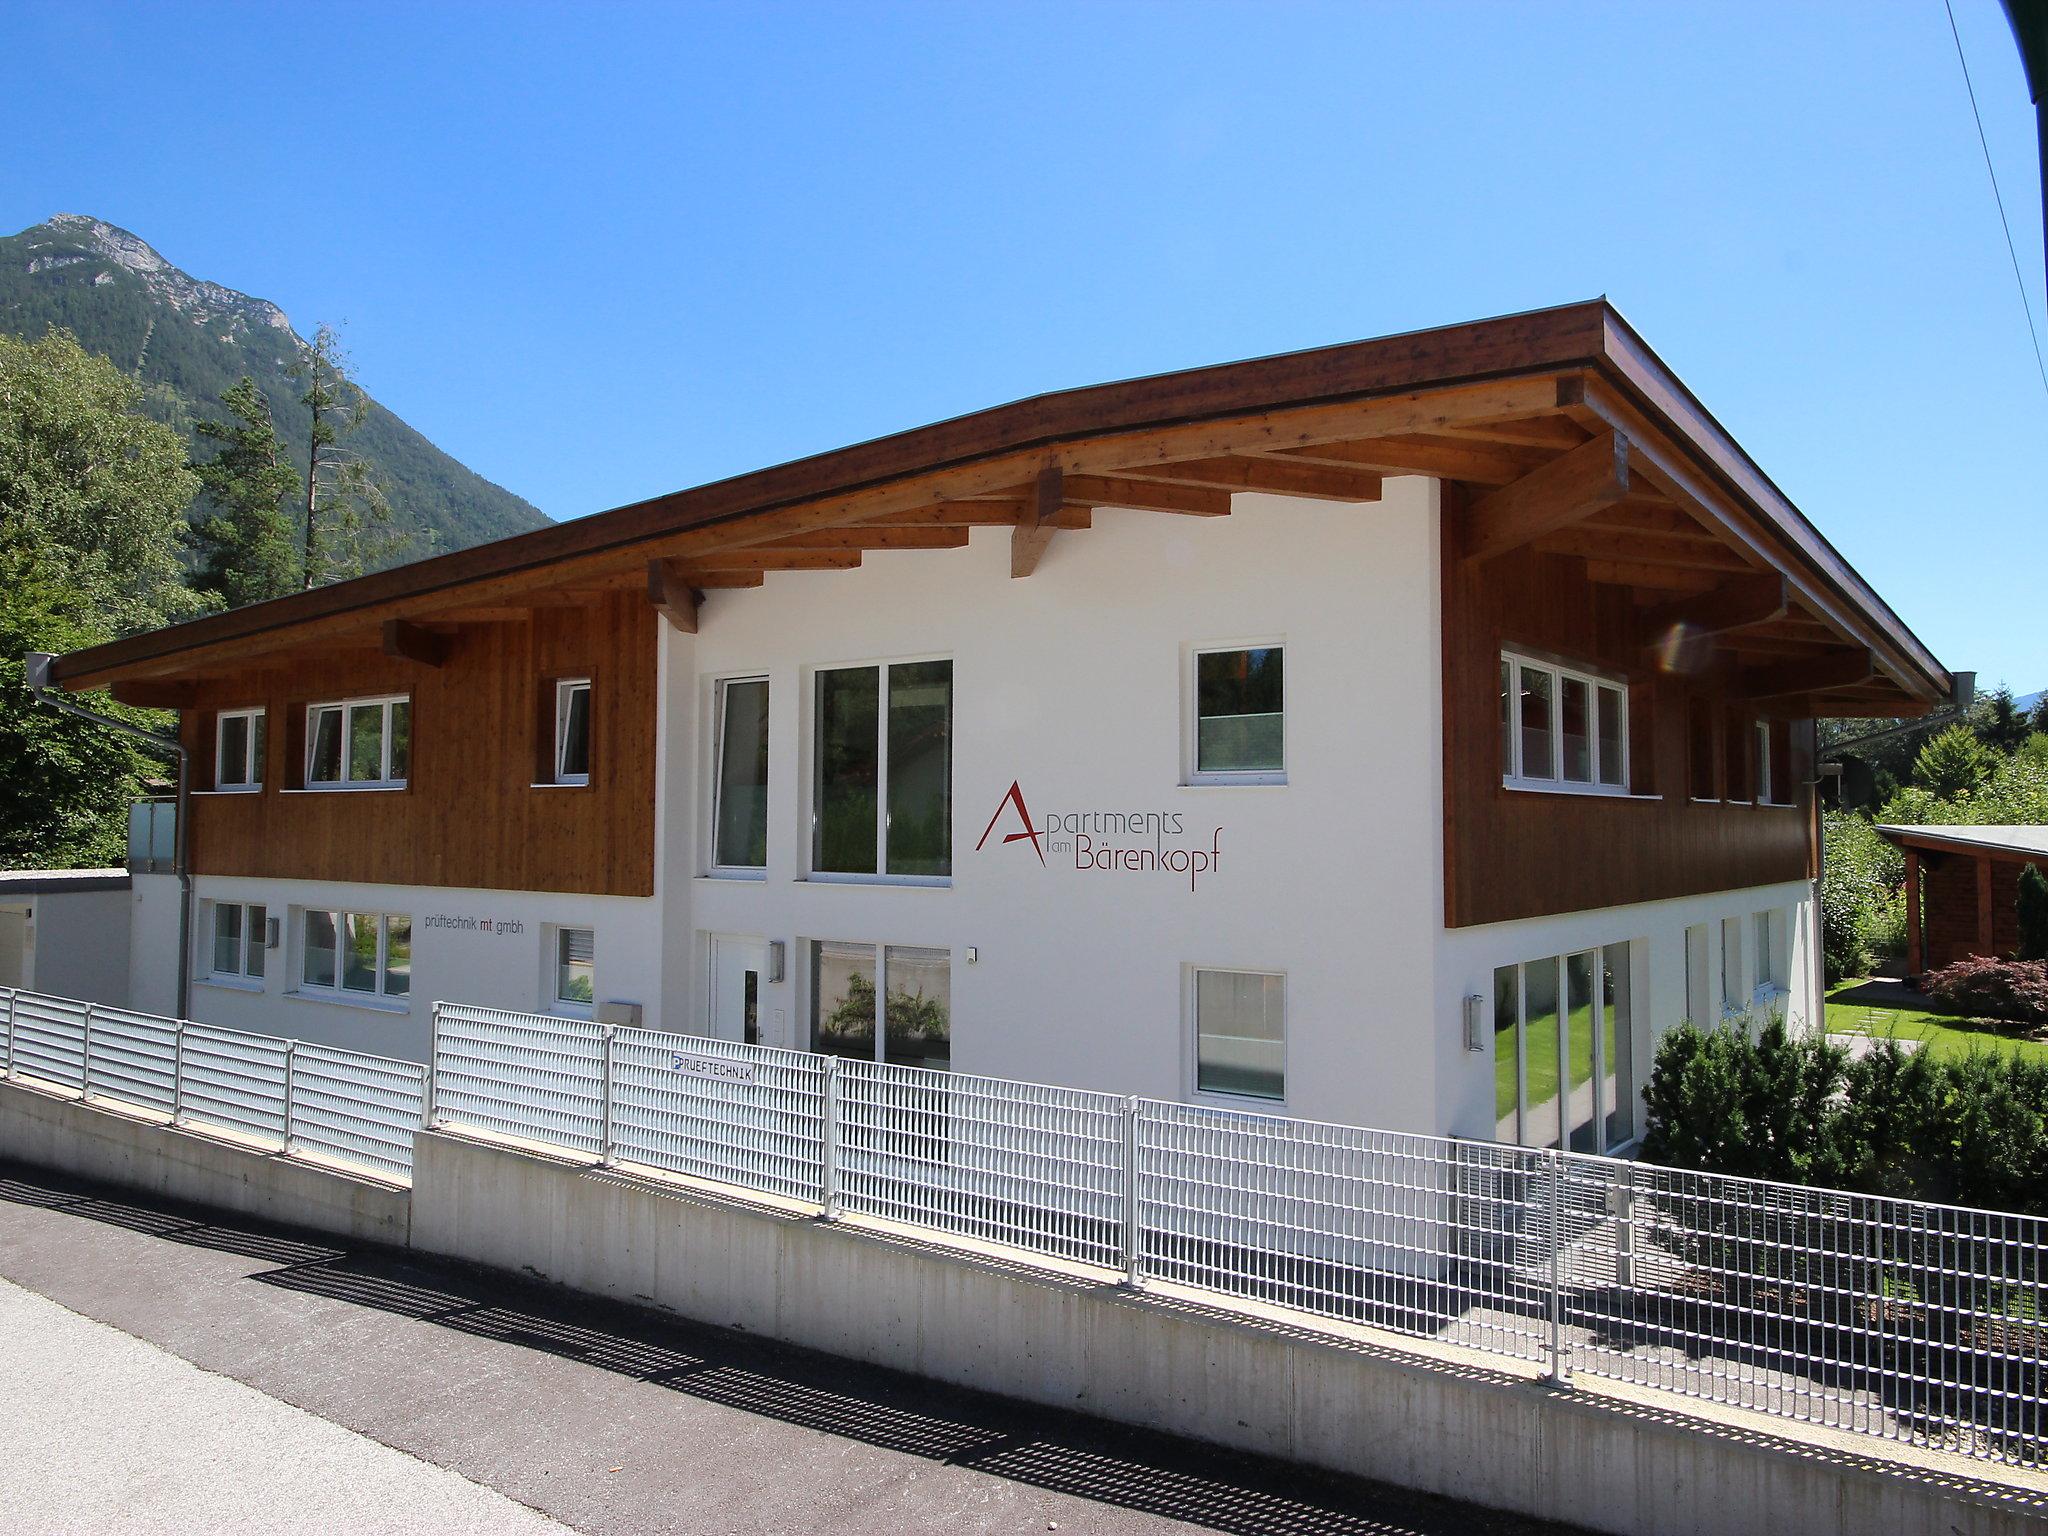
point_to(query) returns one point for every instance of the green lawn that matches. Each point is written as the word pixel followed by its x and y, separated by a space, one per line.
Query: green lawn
pixel 1944 1034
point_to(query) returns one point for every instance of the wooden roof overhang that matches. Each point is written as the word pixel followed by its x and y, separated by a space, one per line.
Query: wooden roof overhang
pixel 1566 432
pixel 1934 840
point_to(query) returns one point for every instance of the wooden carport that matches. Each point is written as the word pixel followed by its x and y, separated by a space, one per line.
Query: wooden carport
pixel 1970 902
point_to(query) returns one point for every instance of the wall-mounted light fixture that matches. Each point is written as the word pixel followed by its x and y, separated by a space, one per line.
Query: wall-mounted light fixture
pixel 273 932
pixel 775 959
pixel 1475 1022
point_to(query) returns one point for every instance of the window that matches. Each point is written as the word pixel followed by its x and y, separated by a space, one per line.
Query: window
pixel 739 811
pixel 917 1016
pixel 1760 946
pixel 1241 1034
pixel 359 744
pixel 1699 1005
pixel 1564 1051
pixel 368 953
pixel 1561 728
pixel 575 978
pixel 1774 762
pixel 883 801
pixel 1240 719
pixel 238 938
pixel 238 750
pixel 572 731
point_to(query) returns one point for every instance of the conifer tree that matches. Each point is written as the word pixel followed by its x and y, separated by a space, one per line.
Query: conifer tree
pixel 244 537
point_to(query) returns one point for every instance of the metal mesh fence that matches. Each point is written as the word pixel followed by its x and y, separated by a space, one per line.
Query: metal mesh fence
pixel 539 1079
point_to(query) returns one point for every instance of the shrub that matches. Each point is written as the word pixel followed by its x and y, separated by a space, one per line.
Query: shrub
pixel 1971 1130
pixel 1954 763
pixel 1987 988
pixel 1863 915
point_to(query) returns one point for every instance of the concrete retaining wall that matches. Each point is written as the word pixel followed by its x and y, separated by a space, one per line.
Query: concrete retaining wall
pixel 141 1151
pixel 1421 1416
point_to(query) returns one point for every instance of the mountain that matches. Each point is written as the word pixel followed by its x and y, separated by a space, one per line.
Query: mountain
pixel 189 340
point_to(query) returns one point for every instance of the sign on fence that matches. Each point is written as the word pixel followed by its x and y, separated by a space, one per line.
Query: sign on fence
pixel 713 1067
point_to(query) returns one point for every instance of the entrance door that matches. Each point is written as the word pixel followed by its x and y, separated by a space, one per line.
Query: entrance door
pixel 737 965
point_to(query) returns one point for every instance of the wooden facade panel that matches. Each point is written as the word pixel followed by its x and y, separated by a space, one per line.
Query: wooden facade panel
pixel 472 813
pixel 1512 854
pixel 1951 901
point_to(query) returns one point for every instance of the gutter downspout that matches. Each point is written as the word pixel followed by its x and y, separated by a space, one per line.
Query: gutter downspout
pixel 38 666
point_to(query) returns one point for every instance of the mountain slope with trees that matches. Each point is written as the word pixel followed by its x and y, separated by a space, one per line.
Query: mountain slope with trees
pixel 189 343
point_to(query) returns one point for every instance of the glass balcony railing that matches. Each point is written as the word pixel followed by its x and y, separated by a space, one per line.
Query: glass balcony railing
pixel 153 837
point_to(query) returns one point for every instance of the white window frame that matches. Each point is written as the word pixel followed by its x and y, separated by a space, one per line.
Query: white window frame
pixel 716 774
pixel 881 876
pixel 564 693
pixel 1601 1110
pixel 346 706
pixel 1191 716
pixel 568 1007
pixel 252 764
pixel 1512 776
pixel 253 939
pixel 807 1018
pixel 1192 1033
pixel 380 997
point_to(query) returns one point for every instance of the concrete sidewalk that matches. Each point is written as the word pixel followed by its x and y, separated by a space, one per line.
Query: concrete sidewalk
pixel 604 1418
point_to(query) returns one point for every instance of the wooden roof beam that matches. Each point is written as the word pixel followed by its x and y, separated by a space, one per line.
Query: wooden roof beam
pixel 409 642
pixel 1570 487
pixel 1444 458
pixel 865 536
pixel 673 595
pixel 1146 495
pixel 1273 475
pixel 1646 577
pixel 1828 673
pixel 1030 539
pixel 1744 603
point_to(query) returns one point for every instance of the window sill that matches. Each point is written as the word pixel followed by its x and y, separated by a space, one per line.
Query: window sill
pixel 1259 781
pixel 743 876
pixel 348 789
pixel 559 784
pixel 362 1004
pixel 1577 792
pixel 1243 1103
pixel 227 794
pixel 891 882
pixel 230 983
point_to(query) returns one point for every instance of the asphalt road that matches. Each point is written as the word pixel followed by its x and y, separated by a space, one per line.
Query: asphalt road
pixel 387 1390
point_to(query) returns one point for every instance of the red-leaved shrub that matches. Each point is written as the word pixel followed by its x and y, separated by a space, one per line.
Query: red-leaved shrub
pixel 1984 988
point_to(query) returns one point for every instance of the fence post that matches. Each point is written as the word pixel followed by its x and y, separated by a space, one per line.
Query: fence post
pixel 178 1072
pixel 427 1083
pixel 607 1148
pixel 291 1057
pixel 1560 1374
pixel 1133 1225
pixel 11 996
pixel 828 1173
pixel 85 1059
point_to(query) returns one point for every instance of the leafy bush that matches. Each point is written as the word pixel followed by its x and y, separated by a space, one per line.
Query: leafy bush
pixel 1970 1131
pixel 1988 988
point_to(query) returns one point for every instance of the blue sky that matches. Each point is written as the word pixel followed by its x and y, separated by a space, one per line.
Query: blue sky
pixel 601 252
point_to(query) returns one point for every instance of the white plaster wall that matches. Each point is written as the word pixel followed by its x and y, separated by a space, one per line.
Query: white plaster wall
pixel 1070 683
pixel 153 944
pixel 1468 957
pixel 504 965
pixel 78 942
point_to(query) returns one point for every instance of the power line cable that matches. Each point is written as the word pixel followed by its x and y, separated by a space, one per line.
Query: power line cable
pixel 2026 304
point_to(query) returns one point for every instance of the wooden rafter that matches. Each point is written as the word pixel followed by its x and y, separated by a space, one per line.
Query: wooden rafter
pixel 1642 548
pixel 756 557
pixel 1568 488
pixel 1647 577
pixel 1030 539
pixel 1450 458
pixel 1745 603
pixel 673 597
pixel 868 536
pixel 1146 495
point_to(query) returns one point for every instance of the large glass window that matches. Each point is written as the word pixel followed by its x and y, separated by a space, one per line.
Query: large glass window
pixel 1240 718
pixel 884 766
pixel 1564 1059
pixel 740 809
pixel 238 750
pixel 367 953
pixel 1561 728
pixel 1241 1033
pixel 916 988
pixel 572 731
pixel 359 743
pixel 239 931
